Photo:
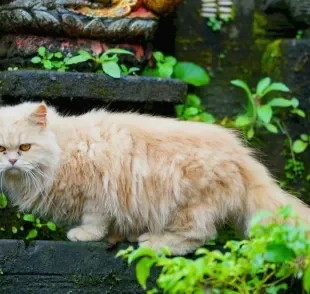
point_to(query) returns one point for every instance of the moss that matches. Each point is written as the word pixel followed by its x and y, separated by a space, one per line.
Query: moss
pixel 273 60
pixel 82 281
pixel 259 30
pixel 185 41
pixel 260 24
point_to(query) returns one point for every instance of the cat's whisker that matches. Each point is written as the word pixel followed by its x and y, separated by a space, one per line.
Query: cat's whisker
pixel 44 192
pixel 36 183
pixel 1 181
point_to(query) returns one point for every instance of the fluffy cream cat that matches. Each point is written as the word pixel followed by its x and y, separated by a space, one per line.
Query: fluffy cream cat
pixel 162 181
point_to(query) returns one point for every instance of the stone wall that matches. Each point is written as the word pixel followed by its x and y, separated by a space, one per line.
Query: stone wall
pixel 254 45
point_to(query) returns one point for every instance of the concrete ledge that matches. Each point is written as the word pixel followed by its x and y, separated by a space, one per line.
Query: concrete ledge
pixel 58 267
pixel 49 85
pixel 63 267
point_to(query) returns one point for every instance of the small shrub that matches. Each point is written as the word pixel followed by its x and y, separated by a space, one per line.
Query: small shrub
pixel 274 253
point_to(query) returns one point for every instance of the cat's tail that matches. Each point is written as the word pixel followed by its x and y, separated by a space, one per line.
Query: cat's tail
pixel 263 193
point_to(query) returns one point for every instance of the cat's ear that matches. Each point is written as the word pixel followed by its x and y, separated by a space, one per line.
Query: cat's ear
pixel 38 117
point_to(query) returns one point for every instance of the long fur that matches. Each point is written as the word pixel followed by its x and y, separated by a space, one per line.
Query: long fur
pixel 158 180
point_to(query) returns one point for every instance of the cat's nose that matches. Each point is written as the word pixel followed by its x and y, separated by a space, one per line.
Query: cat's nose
pixel 12 161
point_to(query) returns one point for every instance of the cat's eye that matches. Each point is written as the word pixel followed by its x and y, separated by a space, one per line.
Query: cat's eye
pixel 2 149
pixel 25 147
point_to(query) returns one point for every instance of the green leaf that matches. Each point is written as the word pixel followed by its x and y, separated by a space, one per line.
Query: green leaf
pixel 179 109
pixel 165 70
pixel 47 64
pixel 306 279
pixel 159 57
pixel 274 289
pixel 286 211
pixel 36 59
pixel 3 201
pixel 299 146
pixel 51 226
pixel 250 133
pixel 124 252
pixel 76 59
pixel 207 117
pixel 278 253
pixel 170 60
pixel 190 111
pixel 304 137
pixel 124 68
pixel 133 69
pixel 295 102
pixel 191 73
pixel 263 214
pixel 42 51
pixel 117 51
pixel 150 72
pixel 265 113
pixel 58 55
pixel 103 58
pixel 141 251
pixel 242 121
pixel 32 234
pixel 243 85
pixel 14 230
pixel 143 269
pixel 271 128
pixel 193 100
pixel 263 85
pixel 85 54
pixel 112 69
pixel 50 56
pixel 299 112
pixel 29 218
pixel 276 87
pixel 280 102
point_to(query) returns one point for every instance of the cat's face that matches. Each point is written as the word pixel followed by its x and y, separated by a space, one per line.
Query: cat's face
pixel 26 143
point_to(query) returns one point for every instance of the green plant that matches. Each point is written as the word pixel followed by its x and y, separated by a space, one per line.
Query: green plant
pixel 169 67
pixel 262 112
pixel 216 23
pixel 164 66
pixel 301 144
pixel 50 60
pixel 3 201
pixel 12 68
pixel 107 62
pixel 35 222
pixel 188 72
pixel 127 71
pixel 299 34
pixel 193 110
pixel 274 253
pixel 294 169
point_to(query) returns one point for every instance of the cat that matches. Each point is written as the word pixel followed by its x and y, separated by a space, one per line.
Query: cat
pixel 157 181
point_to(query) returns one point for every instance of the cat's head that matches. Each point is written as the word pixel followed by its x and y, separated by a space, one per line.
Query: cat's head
pixel 27 145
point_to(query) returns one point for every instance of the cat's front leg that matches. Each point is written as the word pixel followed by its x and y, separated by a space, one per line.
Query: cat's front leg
pixel 94 228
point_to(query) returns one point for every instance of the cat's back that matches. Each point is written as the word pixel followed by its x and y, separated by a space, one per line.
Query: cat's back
pixel 169 129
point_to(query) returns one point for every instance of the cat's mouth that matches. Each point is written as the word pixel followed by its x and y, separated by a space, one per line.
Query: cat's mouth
pixel 13 170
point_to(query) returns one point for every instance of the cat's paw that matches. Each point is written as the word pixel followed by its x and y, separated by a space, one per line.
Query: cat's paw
pixel 85 233
pixel 151 241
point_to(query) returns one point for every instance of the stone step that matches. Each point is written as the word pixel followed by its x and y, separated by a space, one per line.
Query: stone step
pixel 49 85
pixel 58 267
pixel 53 267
